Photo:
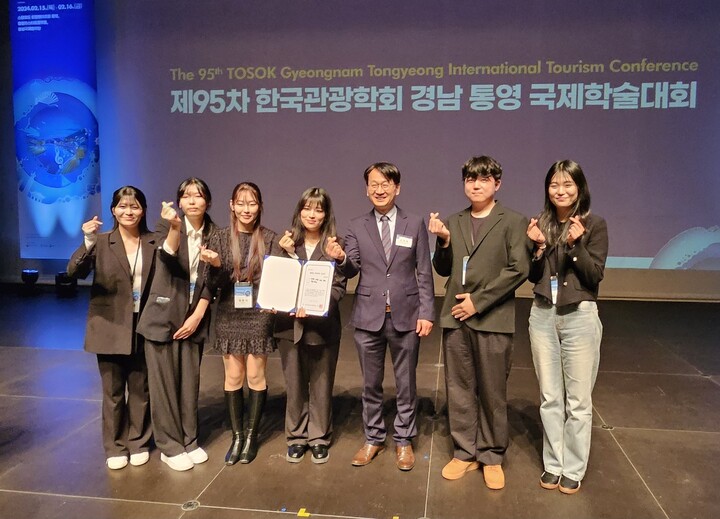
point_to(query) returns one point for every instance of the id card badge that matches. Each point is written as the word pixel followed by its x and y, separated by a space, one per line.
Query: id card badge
pixel 554 288
pixel 243 294
pixel 192 292
pixel 464 270
pixel 136 301
pixel 403 241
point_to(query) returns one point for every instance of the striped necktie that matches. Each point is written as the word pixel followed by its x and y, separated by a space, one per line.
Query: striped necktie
pixel 385 235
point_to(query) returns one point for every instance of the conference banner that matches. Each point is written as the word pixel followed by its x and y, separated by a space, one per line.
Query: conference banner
pixel 56 129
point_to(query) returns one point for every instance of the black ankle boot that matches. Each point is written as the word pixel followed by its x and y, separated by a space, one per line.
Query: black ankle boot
pixel 234 404
pixel 255 411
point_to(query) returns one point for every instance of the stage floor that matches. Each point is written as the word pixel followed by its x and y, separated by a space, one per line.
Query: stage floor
pixel 655 448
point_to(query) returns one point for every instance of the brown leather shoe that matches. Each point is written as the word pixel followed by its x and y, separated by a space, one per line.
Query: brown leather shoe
pixel 366 454
pixel 404 457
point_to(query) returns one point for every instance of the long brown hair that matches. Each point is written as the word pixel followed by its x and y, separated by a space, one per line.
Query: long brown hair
pixel 257 244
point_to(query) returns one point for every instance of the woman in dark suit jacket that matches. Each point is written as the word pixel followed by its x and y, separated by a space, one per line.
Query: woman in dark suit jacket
pixel 309 351
pixel 571 246
pixel 175 324
pixel 123 261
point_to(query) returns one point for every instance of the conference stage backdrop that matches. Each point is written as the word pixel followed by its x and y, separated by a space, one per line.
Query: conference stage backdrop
pixel 294 94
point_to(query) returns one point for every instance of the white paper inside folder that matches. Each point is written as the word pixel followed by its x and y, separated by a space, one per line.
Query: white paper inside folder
pixel 287 284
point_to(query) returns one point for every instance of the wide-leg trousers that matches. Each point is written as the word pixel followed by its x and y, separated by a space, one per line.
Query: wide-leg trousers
pixel 309 372
pixel 477 365
pixel 174 382
pixel 566 352
pixel 126 425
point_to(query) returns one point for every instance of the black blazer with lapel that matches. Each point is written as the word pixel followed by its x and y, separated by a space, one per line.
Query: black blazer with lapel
pixel 498 263
pixel 314 330
pixel 168 304
pixel 579 269
pixel 110 314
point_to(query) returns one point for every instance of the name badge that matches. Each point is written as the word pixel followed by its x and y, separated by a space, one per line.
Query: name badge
pixel 554 288
pixel 192 292
pixel 464 270
pixel 243 294
pixel 403 241
pixel 136 301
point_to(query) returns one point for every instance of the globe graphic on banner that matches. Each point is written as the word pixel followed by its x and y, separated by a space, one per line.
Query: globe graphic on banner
pixel 57 146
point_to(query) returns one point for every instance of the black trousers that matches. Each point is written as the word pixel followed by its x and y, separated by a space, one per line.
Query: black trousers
pixel 477 365
pixel 174 381
pixel 125 420
pixel 309 378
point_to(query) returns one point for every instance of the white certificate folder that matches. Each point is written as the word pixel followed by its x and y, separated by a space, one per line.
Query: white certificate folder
pixel 287 284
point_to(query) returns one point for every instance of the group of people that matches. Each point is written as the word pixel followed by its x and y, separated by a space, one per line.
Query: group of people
pixel 155 294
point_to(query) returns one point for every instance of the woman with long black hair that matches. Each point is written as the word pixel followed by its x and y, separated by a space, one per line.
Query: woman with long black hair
pixel 571 246
pixel 309 351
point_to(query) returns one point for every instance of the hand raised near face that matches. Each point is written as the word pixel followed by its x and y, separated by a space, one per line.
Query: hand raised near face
pixel 576 230
pixel 437 227
pixel 534 232
pixel 334 250
pixel 169 213
pixel 286 243
pixel 91 226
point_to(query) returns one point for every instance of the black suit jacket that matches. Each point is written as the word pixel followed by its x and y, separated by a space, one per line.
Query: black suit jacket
pixel 110 314
pixel 168 303
pixel 498 263
pixel 314 330
pixel 579 270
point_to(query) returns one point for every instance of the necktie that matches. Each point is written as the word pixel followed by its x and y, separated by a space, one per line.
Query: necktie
pixel 385 235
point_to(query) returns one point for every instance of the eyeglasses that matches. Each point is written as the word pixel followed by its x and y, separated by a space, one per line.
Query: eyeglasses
pixel 375 186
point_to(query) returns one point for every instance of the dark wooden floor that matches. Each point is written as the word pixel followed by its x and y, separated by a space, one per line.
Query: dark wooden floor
pixel 655 450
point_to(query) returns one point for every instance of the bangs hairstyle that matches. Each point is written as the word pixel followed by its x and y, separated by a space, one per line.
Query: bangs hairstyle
pixel 482 166
pixel 390 172
pixel 135 194
pixel 257 244
pixel 204 191
pixel 314 196
pixel 548 222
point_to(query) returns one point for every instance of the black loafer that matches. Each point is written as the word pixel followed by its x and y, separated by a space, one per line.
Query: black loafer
pixel 569 486
pixel 549 480
pixel 320 453
pixel 296 453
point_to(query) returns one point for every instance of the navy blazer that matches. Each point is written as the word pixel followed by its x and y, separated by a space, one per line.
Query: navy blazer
pixel 110 314
pixel 168 304
pixel 579 269
pixel 498 263
pixel 408 273
pixel 313 330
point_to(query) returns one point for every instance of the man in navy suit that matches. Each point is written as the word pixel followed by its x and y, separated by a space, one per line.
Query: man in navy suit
pixel 393 307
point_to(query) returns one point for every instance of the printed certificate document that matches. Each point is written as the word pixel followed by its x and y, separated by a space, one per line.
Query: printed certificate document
pixel 287 284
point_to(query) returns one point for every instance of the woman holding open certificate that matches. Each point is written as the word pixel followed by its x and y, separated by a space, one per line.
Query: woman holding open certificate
pixel 310 345
pixel 244 333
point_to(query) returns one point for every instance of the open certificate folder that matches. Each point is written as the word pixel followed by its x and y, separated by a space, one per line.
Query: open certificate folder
pixel 287 284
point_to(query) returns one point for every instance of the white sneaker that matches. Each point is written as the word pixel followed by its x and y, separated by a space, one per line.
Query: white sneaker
pixel 180 462
pixel 116 462
pixel 198 456
pixel 139 458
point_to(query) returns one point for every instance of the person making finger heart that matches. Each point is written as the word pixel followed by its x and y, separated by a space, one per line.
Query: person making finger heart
pixel 486 253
